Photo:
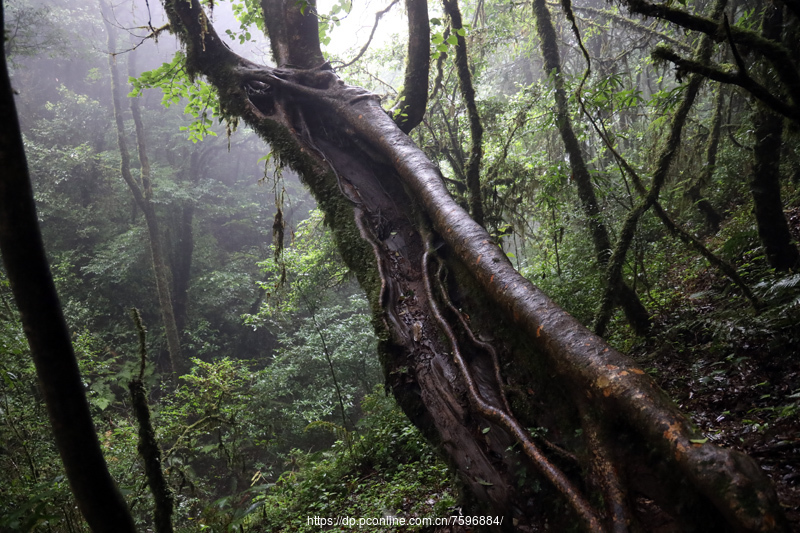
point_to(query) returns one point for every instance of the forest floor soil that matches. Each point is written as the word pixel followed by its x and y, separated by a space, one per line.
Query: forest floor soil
pixel 748 400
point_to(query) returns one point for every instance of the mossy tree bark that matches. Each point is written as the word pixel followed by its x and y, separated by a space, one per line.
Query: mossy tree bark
pixel 452 314
pixel 60 381
pixel 666 156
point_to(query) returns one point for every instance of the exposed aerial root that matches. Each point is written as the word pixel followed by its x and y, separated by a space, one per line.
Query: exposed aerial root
pixel 576 500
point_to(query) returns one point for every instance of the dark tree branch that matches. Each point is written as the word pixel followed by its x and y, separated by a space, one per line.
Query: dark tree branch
pixel 413 100
pixel 793 6
pixel 473 169
pixel 777 54
pixel 60 381
pixel 734 50
pixel 723 76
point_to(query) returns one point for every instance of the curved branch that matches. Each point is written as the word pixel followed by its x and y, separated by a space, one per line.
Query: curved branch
pixel 413 101
pixel 364 48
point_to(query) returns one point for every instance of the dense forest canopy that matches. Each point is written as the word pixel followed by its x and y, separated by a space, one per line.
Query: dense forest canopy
pixel 528 261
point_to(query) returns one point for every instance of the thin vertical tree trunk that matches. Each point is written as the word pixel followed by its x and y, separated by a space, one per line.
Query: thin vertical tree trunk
pixel 184 249
pixel 765 185
pixel 473 169
pixel 160 269
pixel 143 196
pixel 695 194
pixel 163 497
pixel 624 295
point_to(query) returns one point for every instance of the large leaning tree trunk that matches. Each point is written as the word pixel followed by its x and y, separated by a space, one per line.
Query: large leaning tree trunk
pixel 544 421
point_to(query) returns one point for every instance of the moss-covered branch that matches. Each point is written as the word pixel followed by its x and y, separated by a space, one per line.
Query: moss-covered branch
pixel 722 75
pixel 778 55
pixel 413 99
pixel 148 446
